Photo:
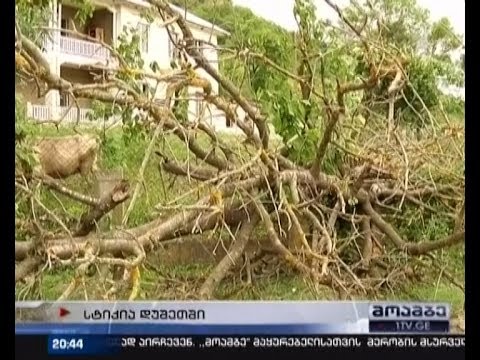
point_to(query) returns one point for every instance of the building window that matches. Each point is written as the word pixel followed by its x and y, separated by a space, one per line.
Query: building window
pixel 64 100
pixel 173 44
pixel 143 30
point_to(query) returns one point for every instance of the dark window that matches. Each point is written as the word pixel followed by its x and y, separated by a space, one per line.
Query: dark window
pixel 63 25
pixel 64 100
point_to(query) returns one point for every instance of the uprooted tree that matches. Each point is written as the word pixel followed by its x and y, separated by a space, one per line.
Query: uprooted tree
pixel 360 149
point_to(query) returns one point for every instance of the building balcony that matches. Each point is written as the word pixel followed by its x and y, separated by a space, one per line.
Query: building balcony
pixel 78 51
pixel 83 48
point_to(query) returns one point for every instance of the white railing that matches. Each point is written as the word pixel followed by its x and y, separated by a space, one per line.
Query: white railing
pixel 74 114
pixel 83 48
pixel 45 113
pixel 51 113
pixel 39 112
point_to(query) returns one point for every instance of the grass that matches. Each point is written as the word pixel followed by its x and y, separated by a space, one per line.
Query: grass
pixel 444 292
pixel 182 281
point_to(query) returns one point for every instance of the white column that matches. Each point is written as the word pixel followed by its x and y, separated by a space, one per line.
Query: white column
pixel 52 100
pixel 52 97
pixel 29 109
pixel 58 26
pixel 114 27
pixel 49 38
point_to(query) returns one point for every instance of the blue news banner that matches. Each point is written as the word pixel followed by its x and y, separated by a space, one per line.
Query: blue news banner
pixel 115 328
pixel 116 345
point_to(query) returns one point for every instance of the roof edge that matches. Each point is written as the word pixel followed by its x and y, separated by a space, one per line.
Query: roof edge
pixel 189 18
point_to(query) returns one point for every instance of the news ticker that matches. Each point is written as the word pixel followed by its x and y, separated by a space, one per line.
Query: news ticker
pixel 62 344
pixel 233 318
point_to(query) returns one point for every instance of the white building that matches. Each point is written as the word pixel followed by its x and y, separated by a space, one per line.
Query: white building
pixel 68 54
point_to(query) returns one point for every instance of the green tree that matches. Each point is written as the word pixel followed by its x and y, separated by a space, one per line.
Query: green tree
pixel 404 29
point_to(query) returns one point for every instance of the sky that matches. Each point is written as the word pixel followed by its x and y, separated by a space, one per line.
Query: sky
pixel 281 11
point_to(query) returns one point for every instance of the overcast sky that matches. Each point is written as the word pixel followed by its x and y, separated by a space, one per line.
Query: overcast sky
pixel 281 11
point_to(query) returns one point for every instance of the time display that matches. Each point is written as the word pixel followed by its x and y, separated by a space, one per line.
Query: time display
pixel 66 343
pixel 82 344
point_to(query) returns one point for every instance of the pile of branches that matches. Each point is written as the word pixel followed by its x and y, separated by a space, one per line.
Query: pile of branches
pixel 300 209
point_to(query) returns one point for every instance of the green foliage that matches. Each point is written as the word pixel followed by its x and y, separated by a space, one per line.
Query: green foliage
pixel 425 225
pixel 21 125
pixel 401 22
pixel 303 149
pixel 23 136
pixel 453 106
pixel 129 48
pixel 423 79
pixel 402 27
pixel 85 9
pixel 279 98
pixel 425 74
pixel 288 107
pixel 31 16
pixel 442 38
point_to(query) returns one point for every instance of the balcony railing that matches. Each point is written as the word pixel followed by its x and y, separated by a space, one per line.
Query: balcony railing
pixel 76 47
pixel 83 48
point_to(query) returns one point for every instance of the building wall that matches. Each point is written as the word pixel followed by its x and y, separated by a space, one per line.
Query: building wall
pixel 158 38
pixel 157 43
pixel 158 51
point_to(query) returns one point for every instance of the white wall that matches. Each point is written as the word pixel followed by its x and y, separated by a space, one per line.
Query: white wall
pixel 157 42
pixel 159 51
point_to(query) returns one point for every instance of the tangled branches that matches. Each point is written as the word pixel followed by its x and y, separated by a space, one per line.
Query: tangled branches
pixel 312 218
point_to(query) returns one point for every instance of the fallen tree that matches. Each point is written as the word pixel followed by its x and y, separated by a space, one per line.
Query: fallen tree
pixel 301 207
